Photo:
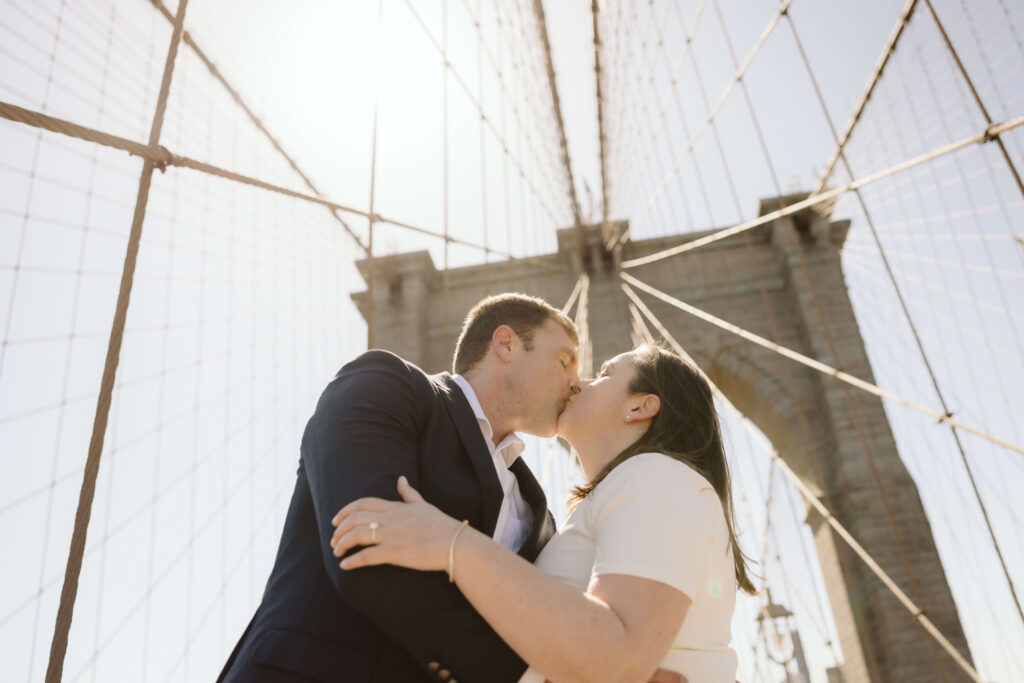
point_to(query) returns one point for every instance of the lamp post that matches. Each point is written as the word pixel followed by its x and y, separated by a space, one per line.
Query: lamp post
pixel 782 642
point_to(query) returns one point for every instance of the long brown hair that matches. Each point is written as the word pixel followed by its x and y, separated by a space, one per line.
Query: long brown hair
pixel 686 429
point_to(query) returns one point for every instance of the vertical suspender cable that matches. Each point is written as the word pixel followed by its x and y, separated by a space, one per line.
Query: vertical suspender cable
pixel 371 341
pixel 601 123
pixel 542 29
pixel 445 278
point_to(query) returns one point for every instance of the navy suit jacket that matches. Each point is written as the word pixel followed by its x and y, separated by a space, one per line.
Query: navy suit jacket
pixel 379 418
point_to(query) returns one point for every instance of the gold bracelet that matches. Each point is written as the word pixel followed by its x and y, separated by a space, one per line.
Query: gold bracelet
pixel 451 551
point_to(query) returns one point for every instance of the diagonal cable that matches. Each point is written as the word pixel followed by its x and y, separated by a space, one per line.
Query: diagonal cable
pixel 987 135
pixel 815 364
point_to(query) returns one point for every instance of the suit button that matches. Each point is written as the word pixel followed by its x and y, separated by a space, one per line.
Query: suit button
pixel 444 674
pixel 433 666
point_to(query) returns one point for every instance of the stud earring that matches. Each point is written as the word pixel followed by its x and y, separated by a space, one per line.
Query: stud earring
pixel 628 417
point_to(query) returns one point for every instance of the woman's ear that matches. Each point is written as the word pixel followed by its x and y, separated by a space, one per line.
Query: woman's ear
pixel 647 408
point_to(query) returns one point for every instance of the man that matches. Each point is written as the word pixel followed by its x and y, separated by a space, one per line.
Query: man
pixel 454 438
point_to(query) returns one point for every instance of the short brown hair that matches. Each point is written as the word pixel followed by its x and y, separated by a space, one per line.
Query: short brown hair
pixel 523 313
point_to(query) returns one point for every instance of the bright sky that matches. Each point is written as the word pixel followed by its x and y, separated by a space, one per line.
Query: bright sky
pixel 240 309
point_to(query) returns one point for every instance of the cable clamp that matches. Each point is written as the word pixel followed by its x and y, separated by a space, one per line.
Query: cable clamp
pixel 162 158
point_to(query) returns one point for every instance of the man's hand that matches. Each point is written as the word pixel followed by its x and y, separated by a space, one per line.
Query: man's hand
pixel 662 676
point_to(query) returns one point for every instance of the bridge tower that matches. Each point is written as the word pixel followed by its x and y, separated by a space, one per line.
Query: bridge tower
pixel 783 281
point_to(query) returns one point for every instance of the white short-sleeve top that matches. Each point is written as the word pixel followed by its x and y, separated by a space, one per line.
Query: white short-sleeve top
pixel 656 518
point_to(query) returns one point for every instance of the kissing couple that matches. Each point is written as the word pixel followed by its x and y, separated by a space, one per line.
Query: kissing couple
pixel 418 546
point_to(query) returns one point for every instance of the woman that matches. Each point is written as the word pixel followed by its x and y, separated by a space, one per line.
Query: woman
pixel 641 576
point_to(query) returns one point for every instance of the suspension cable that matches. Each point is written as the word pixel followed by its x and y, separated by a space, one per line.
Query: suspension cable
pixel 542 30
pixel 815 364
pixel 713 112
pixel 162 158
pixel 649 69
pixel 672 93
pixel 575 293
pixel 862 101
pixel 981 106
pixel 256 121
pixel 69 590
pixel 371 280
pixel 601 118
pixel 477 105
pixel 984 136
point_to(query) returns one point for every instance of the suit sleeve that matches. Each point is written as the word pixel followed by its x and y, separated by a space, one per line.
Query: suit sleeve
pixel 365 434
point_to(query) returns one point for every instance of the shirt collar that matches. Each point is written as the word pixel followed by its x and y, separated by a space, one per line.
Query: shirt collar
pixel 511 447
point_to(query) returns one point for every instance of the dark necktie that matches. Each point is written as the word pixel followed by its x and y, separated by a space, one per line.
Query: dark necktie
pixel 542 525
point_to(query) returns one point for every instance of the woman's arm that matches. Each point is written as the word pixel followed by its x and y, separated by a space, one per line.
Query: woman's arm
pixel 618 631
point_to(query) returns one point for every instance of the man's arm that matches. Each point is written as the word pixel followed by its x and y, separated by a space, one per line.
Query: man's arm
pixel 365 435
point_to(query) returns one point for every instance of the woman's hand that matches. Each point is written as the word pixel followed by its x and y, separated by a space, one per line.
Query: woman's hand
pixel 413 534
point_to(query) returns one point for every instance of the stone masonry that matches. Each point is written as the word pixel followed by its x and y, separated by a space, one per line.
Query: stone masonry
pixel 782 281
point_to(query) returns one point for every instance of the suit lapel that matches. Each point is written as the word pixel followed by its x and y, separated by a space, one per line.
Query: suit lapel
pixel 479 455
pixel 543 523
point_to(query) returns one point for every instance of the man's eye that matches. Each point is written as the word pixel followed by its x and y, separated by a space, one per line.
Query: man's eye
pixel 564 363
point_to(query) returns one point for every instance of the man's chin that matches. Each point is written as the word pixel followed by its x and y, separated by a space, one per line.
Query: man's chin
pixel 543 431
pixel 549 433
pixel 547 428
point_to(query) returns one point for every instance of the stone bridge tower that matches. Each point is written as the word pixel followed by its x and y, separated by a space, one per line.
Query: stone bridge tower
pixel 761 281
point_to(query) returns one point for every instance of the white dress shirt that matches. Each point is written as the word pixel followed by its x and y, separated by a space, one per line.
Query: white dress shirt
pixel 514 517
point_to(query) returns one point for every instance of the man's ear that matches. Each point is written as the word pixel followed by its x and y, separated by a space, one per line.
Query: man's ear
pixel 503 340
pixel 646 407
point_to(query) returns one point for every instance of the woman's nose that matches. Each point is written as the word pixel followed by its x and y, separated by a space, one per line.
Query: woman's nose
pixel 574 382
